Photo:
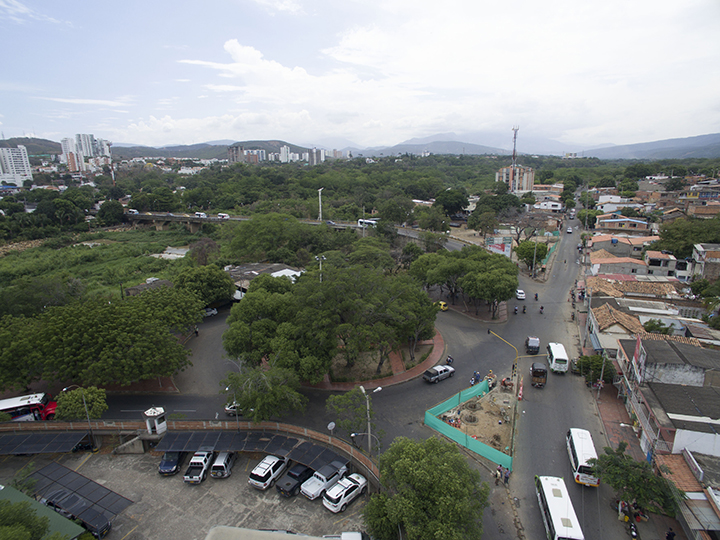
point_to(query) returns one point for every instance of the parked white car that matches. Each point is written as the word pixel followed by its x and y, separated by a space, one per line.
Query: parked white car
pixel 267 471
pixel 337 498
pixel 209 312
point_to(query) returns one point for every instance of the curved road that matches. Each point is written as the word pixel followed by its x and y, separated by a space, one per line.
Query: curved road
pixel 544 415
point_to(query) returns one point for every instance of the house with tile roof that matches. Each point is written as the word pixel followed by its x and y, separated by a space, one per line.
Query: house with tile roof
pixel 617 223
pixel 660 263
pixel 602 262
pixel 607 324
pixel 620 245
pixel 696 475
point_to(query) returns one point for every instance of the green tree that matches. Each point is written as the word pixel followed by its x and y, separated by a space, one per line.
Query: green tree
pixel 428 492
pixel 526 252
pixel 594 365
pixel 18 521
pixel 451 201
pixel 349 410
pixel 21 361
pixel 209 283
pixel 71 403
pixel 675 184
pixel 110 213
pixel 635 480
pixel 655 326
pixel 485 222
pixel 266 391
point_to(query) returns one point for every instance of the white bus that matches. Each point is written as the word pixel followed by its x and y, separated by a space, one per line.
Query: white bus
pixel 29 408
pixel 580 450
pixel 557 358
pixel 557 510
pixel 365 223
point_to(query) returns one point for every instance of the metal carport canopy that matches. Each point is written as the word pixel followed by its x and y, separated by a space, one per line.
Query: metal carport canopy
pixel 40 443
pixel 300 451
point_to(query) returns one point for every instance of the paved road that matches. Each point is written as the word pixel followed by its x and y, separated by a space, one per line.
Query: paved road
pixel 545 415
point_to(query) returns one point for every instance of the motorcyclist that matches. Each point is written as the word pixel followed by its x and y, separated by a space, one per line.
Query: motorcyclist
pixel 536 297
pixel 449 360
pixel 541 309
pixel 515 310
pixel 524 309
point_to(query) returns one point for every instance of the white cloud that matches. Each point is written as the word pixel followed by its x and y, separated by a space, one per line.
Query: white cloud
pixel 280 5
pixel 121 102
pixel 20 13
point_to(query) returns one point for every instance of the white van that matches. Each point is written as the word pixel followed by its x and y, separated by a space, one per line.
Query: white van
pixel 581 449
pixel 223 216
pixel 557 358
pixel 200 214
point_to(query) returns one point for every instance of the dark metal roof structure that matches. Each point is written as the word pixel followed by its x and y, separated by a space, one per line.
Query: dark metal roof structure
pixel 304 452
pixel 40 443
pixel 77 495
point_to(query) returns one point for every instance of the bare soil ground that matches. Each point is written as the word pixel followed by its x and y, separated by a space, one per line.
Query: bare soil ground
pixel 487 419
pixel 366 366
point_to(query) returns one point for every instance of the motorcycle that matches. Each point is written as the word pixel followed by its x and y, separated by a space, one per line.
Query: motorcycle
pixel 541 310
pixel 449 360
pixel 632 529
pixel 515 310
pixel 524 309
pixel 536 297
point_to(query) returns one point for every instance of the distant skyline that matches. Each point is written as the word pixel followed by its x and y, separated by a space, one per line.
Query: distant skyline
pixel 368 73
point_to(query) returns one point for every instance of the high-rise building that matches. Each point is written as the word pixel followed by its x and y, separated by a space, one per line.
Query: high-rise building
pixel 517 178
pixel 85 144
pixel 15 165
pixel 316 156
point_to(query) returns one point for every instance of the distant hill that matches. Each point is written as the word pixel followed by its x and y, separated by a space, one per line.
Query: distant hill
pixel 200 151
pixel 434 147
pixel 702 146
pixel 35 147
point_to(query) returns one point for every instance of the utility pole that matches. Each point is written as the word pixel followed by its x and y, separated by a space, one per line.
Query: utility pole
pixel 320 203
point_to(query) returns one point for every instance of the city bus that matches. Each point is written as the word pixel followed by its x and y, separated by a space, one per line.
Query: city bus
pixel 29 408
pixel 365 223
pixel 581 449
pixel 557 510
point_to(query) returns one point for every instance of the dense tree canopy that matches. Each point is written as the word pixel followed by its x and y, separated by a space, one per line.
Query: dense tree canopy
pixel 72 403
pixel 94 342
pixel 428 492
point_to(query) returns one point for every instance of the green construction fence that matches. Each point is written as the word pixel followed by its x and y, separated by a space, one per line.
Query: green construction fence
pixel 432 421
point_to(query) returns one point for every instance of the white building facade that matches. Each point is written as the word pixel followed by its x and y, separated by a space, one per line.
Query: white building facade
pixel 15 165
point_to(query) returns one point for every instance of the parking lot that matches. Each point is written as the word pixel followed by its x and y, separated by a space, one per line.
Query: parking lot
pixel 167 508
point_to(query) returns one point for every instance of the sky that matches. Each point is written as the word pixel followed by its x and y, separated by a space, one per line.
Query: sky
pixel 366 73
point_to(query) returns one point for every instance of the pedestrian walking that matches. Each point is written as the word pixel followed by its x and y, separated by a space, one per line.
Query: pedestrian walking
pixel 507 476
pixel 498 475
pixel 197 331
pixel 670 534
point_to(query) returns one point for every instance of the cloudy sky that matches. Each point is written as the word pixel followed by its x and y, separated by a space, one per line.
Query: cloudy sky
pixel 373 72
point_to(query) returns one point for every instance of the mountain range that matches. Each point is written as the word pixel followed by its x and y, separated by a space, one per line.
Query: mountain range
pixel 472 143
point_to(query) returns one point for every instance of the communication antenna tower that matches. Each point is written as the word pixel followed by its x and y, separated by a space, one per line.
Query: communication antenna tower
pixel 514 155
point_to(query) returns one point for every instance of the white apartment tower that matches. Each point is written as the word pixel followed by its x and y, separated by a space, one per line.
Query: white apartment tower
pixel 284 154
pixel 15 165
pixel 85 144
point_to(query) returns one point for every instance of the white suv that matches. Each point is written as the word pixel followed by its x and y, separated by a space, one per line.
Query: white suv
pixel 344 492
pixel 267 471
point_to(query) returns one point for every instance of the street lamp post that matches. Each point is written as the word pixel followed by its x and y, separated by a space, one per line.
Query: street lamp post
pixel 320 203
pixel 320 259
pixel 235 405
pixel 87 413
pixel 367 403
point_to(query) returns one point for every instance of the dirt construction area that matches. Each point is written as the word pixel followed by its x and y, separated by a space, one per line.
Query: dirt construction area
pixel 488 419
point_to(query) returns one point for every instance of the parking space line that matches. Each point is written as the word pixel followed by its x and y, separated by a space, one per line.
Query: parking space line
pixel 88 456
pixel 128 534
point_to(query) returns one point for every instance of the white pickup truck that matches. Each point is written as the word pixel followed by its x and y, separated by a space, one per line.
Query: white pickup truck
pixel 198 467
pixel 325 478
